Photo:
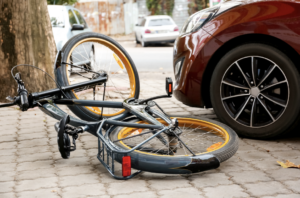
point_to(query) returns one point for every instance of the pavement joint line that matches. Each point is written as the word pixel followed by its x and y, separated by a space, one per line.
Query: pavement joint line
pixel 198 188
pixel 86 153
pixel 236 183
pixel 148 185
pixel 18 192
pixel 267 182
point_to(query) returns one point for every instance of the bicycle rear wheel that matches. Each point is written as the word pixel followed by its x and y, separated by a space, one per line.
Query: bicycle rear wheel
pixel 204 137
pixel 88 54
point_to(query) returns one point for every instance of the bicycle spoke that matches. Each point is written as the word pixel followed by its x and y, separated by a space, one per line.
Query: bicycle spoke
pixel 194 139
pixel 85 50
pixel 147 132
pixel 184 144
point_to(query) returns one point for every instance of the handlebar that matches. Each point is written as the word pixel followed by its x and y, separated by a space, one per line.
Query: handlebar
pixel 25 102
pixel 22 92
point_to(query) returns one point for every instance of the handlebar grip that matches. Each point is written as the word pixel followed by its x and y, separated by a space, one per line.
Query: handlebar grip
pixel 24 104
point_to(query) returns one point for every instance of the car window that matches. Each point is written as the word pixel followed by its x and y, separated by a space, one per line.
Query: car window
pixel 160 22
pixel 143 22
pixel 80 19
pixel 56 17
pixel 72 18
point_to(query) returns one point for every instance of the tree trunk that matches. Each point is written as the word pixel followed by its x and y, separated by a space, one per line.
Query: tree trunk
pixel 25 38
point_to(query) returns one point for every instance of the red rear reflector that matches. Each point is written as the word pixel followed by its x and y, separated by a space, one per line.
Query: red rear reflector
pixel 147 31
pixel 176 29
pixel 170 88
pixel 126 166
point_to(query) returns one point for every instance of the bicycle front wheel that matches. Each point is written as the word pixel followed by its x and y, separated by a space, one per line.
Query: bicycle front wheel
pixel 90 53
pixel 203 137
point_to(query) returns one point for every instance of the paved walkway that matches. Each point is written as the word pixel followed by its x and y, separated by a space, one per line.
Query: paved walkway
pixel 31 166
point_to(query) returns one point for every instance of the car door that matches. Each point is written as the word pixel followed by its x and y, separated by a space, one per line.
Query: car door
pixel 81 21
pixel 78 58
pixel 72 21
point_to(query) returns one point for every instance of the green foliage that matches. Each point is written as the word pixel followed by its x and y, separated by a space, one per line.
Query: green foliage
pixel 160 7
pixel 196 5
pixel 61 2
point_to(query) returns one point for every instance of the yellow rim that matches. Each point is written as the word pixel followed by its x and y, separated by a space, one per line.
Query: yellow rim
pixel 118 54
pixel 125 132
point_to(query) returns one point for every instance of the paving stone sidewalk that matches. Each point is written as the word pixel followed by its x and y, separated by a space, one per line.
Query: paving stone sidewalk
pixel 31 166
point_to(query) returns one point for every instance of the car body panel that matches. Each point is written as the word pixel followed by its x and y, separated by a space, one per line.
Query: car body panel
pixel 189 82
pixel 62 33
pixel 279 19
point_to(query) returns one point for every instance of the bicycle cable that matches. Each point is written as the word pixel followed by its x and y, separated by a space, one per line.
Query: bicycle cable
pixel 42 71
pixel 103 101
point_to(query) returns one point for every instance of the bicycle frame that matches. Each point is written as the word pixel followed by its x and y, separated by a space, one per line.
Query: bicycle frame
pixel 95 128
pixel 105 146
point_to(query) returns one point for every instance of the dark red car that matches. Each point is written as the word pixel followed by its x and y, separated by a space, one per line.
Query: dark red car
pixel 242 59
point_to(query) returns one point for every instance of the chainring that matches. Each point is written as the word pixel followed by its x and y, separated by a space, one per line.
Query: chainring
pixel 63 139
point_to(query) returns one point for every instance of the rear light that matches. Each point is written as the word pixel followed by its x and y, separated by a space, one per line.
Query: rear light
pixel 126 166
pixel 147 31
pixel 176 29
pixel 169 86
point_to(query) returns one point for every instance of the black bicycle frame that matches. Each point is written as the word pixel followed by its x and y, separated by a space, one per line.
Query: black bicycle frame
pixel 58 91
pixel 131 106
pixel 95 128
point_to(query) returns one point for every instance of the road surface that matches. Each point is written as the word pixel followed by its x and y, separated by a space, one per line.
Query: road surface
pixel 157 57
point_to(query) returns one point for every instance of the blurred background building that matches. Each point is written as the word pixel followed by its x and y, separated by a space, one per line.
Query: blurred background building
pixel 113 17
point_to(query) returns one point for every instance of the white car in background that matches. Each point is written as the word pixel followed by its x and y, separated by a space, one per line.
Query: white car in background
pixel 156 29
pixel 67 22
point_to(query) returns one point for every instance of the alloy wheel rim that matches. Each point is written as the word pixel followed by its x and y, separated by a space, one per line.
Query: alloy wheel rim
pixel 254 91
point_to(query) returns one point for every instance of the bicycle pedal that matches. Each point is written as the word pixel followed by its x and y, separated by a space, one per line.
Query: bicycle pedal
pixel 63 140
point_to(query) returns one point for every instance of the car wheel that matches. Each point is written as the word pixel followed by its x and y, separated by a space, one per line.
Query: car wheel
pixel 70 69
pixel 92 60
pixel 136 40
pixel 255 90
pixel 144 44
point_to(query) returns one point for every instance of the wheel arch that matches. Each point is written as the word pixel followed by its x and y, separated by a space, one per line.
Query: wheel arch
pixel 237 41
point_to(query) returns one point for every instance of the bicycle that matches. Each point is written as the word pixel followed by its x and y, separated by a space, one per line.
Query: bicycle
pixel 141 136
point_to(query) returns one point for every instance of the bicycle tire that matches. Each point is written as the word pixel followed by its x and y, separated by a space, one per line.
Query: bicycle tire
pixel 87 113
pixel 177 164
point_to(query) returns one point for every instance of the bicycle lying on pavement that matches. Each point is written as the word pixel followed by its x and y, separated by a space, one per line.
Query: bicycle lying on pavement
pixel 140 135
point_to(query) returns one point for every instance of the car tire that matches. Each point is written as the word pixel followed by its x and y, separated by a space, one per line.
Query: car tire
pixel 92 58
pixel 136 40
pixel 273 92
pixel 144 44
